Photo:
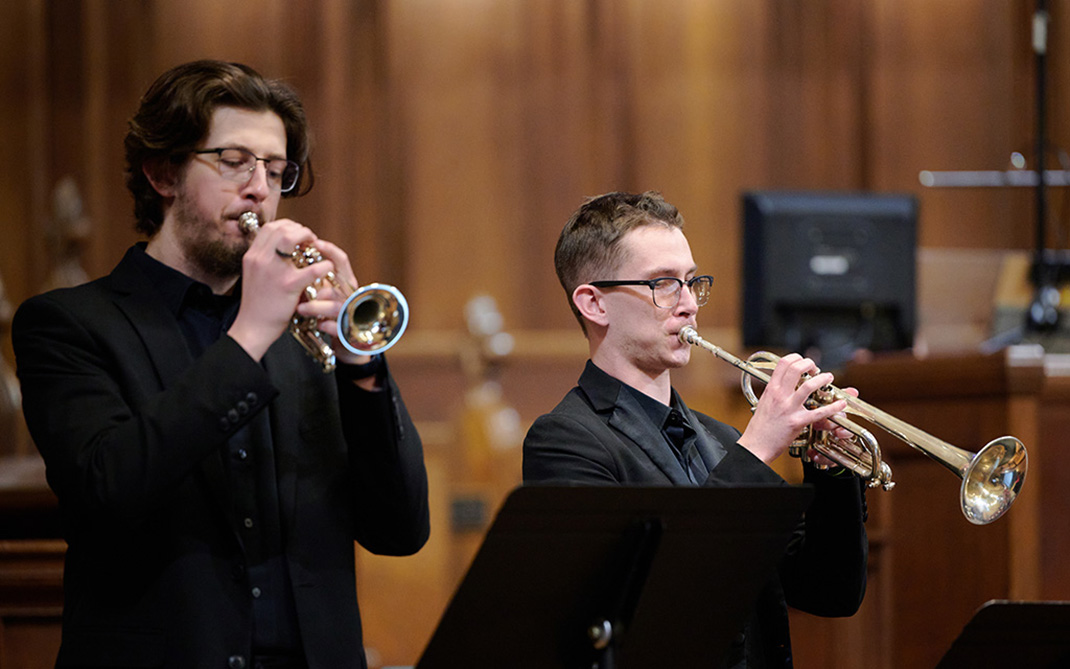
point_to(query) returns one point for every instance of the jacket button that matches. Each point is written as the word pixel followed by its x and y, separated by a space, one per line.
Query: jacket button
pixel 243 408
pixel 236 662
pixel 233 416
pixel 224 424
pixel 252 399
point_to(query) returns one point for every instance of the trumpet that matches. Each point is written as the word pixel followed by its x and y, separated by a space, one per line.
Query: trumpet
pixel 991 478
pixel 371 319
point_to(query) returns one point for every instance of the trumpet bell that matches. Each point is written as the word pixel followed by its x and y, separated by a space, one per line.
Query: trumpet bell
pixel 372 319
pixel 992 480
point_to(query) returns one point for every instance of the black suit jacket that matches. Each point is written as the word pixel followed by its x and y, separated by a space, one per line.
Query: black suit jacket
pixel 600 435
pixel 133 431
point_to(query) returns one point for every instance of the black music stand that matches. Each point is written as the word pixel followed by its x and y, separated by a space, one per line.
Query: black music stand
pixel 613 577
pixel 1013 634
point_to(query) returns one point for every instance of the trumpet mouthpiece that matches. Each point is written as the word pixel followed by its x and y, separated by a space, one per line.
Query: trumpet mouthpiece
pixel 249 222
pixel 688 334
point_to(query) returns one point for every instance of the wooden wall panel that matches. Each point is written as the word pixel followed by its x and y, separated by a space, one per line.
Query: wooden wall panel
pixel 1053 481
pixel 22 141
pixel 447 58
pixel 698 122
pixel 455 138
pixel 951 89
pixel 816 73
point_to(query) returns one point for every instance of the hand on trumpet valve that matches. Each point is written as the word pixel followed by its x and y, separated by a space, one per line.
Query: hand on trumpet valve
pixel 272 285
pixel 785 408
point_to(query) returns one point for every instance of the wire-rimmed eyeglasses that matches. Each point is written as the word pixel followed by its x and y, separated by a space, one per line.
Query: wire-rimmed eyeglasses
pixel 667 289
pixel 239 164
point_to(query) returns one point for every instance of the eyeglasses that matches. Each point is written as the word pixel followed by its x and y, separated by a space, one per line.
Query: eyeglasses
pixel 239 164
pixel 667 289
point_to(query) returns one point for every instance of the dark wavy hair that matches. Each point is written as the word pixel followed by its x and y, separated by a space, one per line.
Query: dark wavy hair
pixel 175 114
pixel 589 246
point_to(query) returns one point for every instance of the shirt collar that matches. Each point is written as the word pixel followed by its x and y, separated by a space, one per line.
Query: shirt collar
pixel 655 410
pixel 178 290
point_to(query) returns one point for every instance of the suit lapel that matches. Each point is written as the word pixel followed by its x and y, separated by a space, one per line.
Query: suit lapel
pixel 152 320
pixel 624 414
pixel 168 355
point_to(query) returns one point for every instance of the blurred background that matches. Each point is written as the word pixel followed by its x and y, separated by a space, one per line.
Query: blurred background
pixel 453 138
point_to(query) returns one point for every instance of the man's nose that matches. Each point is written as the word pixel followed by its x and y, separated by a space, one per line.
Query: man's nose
pixel 688 302
pixel 258 182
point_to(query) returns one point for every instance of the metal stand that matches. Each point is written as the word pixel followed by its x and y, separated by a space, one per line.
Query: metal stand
pixel 1043 314
pixel 635 556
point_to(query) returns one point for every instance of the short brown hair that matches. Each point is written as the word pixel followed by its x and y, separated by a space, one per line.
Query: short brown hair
pixel 589 246
pixel 175 114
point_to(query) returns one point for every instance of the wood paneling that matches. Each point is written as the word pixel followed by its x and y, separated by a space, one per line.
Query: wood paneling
pixel 454 138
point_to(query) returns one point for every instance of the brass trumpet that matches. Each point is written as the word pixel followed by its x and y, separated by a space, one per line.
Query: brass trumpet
pixel 371 320
pixel 991 478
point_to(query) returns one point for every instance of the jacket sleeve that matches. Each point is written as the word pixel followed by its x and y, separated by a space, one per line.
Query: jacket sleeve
pixel 824 571
pixel 387 463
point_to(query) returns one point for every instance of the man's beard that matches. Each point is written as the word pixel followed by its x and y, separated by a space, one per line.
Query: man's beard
pixel 203 248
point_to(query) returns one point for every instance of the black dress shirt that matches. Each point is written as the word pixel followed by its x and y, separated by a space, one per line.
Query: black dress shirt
pixel 203 318
pixel 678 433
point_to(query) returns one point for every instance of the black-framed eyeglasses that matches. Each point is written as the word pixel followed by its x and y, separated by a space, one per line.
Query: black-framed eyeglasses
pixel 667 289
pixel 239 164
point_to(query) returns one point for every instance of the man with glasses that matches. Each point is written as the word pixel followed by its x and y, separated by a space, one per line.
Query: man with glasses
pixel 632 284
pixel 212 478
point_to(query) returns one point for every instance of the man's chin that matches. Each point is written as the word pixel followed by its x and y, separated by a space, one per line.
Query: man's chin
pixel 219 259
pixel 680 359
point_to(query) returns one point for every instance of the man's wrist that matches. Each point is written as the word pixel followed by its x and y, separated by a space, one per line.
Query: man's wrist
pixel 359 372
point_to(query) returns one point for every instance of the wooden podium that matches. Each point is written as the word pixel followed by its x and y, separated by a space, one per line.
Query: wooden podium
pixel 936 568
pixel 31 565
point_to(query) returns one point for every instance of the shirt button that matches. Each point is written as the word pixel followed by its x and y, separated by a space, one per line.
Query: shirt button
pixel 249 522
pixel 236 662
pixel 242 454
pixel 256 593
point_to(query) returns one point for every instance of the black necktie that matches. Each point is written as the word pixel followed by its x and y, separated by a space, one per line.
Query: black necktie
pixel 683 438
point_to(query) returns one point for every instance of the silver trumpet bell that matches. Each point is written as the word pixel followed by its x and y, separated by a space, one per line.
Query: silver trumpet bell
pixel 371 320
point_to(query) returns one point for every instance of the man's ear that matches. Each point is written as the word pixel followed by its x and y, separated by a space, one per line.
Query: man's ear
pixel 162 174
pixel 590 303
